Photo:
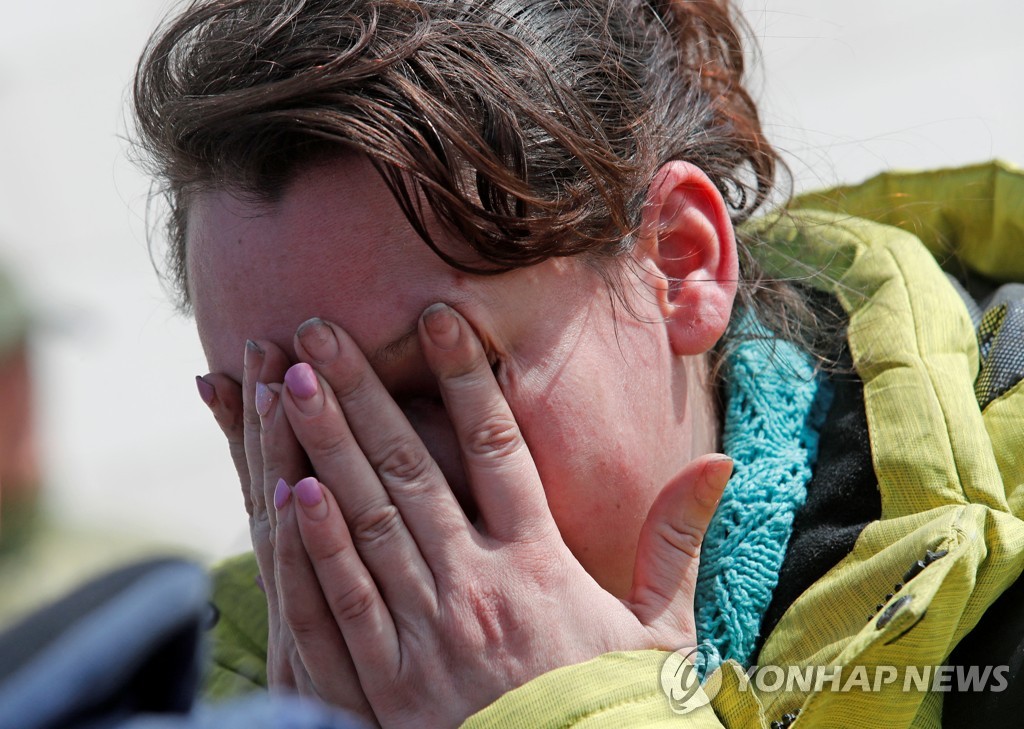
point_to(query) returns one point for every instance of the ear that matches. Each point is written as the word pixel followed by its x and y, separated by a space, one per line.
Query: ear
pixel 687 235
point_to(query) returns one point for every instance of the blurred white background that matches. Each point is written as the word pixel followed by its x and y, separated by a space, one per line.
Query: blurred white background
pixel 848 89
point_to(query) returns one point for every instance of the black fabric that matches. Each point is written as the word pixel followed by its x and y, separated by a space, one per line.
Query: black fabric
pixel 1000 338
pixel 20 643
pixel 123 653
pixel 157 671
pixel 842 499
pixel 997 640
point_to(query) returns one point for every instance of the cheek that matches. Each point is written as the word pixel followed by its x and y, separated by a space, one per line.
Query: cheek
pixel 585 444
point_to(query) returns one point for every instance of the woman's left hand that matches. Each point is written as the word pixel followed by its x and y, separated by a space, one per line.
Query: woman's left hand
pixel 442 617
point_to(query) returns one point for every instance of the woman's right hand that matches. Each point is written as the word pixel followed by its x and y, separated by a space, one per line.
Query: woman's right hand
pixel 262 461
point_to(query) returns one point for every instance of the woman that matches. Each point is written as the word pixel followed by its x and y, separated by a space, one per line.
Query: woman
pixel 480 258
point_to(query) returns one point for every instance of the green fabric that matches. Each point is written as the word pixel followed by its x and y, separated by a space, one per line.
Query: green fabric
pixel 614 690
pixel 238 649
pixel 974 215
pixel 951 477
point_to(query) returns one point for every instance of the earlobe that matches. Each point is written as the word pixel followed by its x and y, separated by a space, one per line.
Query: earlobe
pixel 687 234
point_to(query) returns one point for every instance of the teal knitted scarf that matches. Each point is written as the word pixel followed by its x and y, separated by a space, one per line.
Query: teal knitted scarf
pixel 775 406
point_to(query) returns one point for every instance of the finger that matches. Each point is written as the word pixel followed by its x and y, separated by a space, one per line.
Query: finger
pixel 283 462
pixel 404 472
pixel 304 610
pixel 252 365
pixel 264 363
pixel 668 551
pixel 501 472
pixel 348 588
pixel 224 397
pixel 377 526
pixel 283 457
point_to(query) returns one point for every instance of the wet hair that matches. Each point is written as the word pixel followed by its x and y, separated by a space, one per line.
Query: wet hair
pixel 530 128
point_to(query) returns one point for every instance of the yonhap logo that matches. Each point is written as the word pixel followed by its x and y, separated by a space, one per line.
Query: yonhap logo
pixel 680 679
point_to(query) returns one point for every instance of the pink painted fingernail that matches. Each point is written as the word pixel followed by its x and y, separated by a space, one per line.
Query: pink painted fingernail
pixel 442 326
pixel 308 492
pixel 301 381
pixel 311 496
pixel 281 494
pixel 264 399
pixel 206 391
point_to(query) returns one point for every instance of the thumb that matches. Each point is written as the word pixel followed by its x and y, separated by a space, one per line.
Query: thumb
pixel 668 552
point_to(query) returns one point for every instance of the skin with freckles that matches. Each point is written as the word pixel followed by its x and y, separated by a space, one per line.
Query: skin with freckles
pixel 612 401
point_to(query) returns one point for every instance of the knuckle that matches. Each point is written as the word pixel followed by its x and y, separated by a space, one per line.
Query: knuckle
pixel 237 450
pixel 247 498
pixel 262 534
pixel 470 376
pixel 329 442
pixel 403 461
pixel 259 522
pixel 302 625
pixel 328 552
pixel 376 526
pixel 250 418
pixel 496 437
pixel 355 604
pixel 326 438
pixel 682 537
pixel 493 618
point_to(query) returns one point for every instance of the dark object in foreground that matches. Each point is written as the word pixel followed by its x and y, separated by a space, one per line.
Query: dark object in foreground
pixel 125 650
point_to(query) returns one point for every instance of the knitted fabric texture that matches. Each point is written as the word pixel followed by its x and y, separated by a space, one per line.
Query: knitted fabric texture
pixel 775 406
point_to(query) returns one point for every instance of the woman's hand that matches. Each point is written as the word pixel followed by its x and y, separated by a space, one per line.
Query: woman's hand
pixel 441 617
pixel 265 453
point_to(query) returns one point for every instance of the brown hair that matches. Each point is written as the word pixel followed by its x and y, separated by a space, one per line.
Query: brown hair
pixel 532 129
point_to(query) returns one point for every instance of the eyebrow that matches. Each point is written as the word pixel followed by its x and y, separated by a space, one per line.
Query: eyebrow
pixel 395 349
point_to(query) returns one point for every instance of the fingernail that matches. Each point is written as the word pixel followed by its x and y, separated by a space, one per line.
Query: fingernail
pixel 442 326
pixel 281 494
pixel 253 355
pixel 716 477
pixel 260 583
pixel 311 497
pixel 301 381
pixel 318 339
pixel 206 391
pixel 264 399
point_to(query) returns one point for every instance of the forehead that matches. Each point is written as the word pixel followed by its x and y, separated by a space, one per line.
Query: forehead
pixel 334 244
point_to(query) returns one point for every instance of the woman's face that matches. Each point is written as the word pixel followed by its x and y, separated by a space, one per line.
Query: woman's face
pixel 596 390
